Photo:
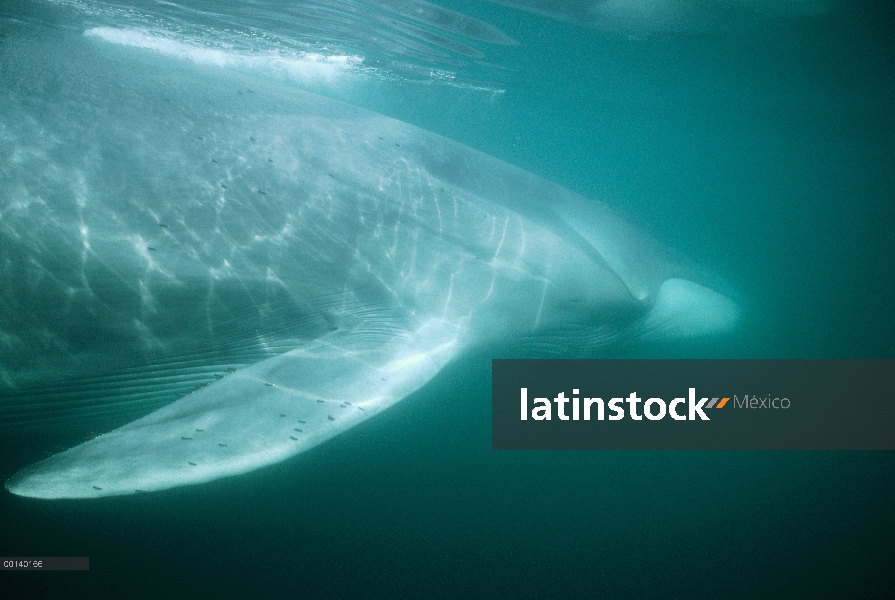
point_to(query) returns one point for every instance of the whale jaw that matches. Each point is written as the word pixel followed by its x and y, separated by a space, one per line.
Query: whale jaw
pixel 685 310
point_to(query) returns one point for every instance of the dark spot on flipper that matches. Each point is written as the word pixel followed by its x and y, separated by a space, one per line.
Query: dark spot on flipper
pixel 194 464
pixel 292 437
pixel 185 438
pixel 330 417
pixel 96 487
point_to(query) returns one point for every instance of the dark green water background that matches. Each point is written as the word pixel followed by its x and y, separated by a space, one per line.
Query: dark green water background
pixel 766 153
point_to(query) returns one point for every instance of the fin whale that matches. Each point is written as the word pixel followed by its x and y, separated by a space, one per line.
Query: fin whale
pixel 150 213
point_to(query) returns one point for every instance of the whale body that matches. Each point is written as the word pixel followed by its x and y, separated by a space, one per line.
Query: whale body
pixel 162 221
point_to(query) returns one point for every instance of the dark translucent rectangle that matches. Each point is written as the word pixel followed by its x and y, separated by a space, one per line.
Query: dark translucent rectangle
pixel 749 404
pixel 45 563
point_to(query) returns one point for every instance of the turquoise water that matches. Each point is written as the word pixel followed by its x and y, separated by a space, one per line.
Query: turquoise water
pixel 757 143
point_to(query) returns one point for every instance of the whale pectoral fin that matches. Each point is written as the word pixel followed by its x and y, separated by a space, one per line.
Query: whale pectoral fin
pixel 259 415
pixel 684 309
